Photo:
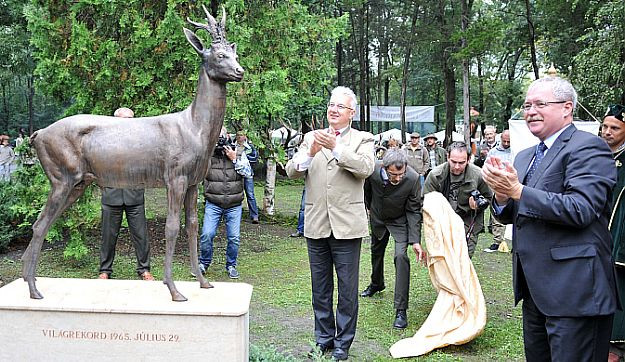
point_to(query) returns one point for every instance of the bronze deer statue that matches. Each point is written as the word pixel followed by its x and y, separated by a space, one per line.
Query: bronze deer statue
pixel 170 150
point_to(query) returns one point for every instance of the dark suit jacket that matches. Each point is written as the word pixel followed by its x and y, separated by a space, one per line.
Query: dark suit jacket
pixel 560 237
pixel 118 197
pixel 395 207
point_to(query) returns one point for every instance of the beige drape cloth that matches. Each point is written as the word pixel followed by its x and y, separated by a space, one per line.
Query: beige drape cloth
pixel 459 313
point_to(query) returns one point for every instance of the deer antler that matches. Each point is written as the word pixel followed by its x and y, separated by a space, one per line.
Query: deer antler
pixel 216 30
pixel 223 21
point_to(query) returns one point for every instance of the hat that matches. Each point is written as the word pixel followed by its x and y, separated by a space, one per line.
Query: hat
pixel 415 135
pixel 617 111
pixel 431 135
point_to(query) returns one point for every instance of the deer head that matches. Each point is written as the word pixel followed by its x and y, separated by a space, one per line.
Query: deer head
pixel 220 61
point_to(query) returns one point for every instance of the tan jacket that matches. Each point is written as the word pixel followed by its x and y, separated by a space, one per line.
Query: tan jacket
pixel 418 158
pixel 334 189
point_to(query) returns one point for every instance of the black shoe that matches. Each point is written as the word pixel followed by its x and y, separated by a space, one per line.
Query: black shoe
pixel 339 354
pixel 371 290
pixel 255 220
pixel 319 347
pixel 401 320
pixel 493 248
pixel 297 234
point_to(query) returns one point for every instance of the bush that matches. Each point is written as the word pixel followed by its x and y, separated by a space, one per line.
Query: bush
pixel 8 229
pixel 24 198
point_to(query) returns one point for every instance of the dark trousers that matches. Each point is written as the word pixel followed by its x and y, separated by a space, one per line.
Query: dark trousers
pixel 402 268
pixel 344 256
pixel 564 338
pixel 137 225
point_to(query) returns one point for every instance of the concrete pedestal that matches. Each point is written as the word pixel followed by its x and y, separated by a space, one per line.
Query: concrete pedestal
pixel 95 320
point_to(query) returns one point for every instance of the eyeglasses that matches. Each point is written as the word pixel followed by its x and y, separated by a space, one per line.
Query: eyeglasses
pixel 539 105
pixel 341 107
pixel 395 175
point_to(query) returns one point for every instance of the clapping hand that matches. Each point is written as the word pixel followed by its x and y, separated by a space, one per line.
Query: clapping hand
pixel 503 179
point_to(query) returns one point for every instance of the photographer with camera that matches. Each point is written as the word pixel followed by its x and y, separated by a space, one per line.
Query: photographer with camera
pixel 223 192
pixel 462 185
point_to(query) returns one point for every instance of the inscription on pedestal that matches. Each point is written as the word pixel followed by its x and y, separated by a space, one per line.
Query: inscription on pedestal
pixel 82 319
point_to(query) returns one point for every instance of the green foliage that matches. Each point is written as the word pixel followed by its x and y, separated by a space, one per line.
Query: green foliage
pixel 287 53
pixel 8 230
pixel 104 54
pixel 600 66
pixel 26 196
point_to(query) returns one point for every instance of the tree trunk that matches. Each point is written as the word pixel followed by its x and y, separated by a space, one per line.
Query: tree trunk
pixel 450 100
pixel 365 50
pixel 532 36
pixel 31 99
pixel 480 84
pixel 270 187
pixel 466 96
pixel 511 65
pixel 5 105
pixel 339 53
pixel 404 80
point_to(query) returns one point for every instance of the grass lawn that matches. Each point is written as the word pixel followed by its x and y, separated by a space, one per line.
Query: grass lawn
pixel 277 267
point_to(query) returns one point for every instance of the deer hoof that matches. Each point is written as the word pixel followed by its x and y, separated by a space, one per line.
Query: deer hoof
pixel 177 297
pixel 34 294
pixel 206 285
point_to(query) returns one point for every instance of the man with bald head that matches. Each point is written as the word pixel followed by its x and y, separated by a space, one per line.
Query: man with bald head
pixel 114 203
pixel 505 154
pixel 558 197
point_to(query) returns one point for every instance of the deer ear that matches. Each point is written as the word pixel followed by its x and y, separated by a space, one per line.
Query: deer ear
pixel 196 43
pixel 234 47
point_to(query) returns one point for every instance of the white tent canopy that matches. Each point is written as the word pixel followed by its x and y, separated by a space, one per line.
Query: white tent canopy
pixel 391 133
pixel 455 136
pixel 521 137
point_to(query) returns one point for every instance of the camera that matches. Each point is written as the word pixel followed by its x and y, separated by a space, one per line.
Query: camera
pixel 480 200
pixel 222 143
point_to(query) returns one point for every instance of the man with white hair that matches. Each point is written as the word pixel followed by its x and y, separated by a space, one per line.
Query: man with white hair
pixel 335 162
pixel 558 196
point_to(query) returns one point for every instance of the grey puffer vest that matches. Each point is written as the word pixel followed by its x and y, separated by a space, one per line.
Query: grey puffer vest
pixel 223 186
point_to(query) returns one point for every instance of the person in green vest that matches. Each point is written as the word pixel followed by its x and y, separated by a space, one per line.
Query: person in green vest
pixel 613 132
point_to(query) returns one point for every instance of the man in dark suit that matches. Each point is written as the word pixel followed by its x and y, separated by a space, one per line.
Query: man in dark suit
pixel 557 196
pixel 114 203
pixel 393 197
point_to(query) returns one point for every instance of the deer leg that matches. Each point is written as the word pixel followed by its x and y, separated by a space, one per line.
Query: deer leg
pixel 191 225
pixel 59 199
pixel 175 192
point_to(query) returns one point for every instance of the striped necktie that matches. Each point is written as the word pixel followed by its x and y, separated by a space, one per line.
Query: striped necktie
pixel 540 153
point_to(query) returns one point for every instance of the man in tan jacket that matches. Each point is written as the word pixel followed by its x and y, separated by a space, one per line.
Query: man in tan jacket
pixel 335 161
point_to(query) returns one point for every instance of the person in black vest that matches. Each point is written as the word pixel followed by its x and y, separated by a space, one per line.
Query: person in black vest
pixel 223 192
pixel 114 203
pixel 393 198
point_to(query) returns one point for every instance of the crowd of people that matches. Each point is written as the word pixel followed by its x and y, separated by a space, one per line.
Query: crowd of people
pixel 559 207
pixel 562 198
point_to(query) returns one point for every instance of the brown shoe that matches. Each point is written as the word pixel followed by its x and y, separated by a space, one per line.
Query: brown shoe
pixel 103 276
pixel 147 276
